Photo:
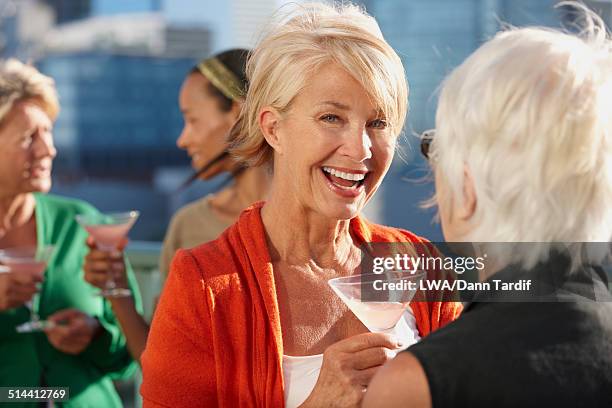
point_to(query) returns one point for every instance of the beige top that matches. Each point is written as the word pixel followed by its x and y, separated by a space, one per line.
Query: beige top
pixel 192 225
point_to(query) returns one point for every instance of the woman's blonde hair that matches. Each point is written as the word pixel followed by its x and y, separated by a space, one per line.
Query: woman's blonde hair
pixel 530 114
pixel 295 46
pixel 19 81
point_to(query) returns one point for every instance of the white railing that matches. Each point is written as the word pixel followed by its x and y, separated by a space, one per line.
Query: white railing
pixel 144 258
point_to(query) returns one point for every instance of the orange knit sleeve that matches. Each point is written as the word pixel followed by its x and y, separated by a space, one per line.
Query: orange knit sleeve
pixel 178 361
pixel 438 309
pixel 443 311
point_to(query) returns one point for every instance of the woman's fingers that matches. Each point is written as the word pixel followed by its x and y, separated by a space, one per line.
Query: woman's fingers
pixel 23 286
pixel 91 243
pixel 25 279
pixel 96 279
pixel 97 255
pixel 73 331
pixel 372 357
pixel 100 266
pixel 17 289
pixel 23 292
pixel 365 341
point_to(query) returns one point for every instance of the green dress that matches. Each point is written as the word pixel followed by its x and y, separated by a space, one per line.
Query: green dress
pixel 29 360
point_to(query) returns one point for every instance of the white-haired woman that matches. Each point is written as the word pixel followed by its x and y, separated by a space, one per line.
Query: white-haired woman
pixel 85 346
pixel 248 319
pixel 523 153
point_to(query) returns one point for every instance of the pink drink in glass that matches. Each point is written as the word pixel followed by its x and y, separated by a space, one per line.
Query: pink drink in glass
pixel 108 236
pixel 31 260
pixel 377 316
pixel 382 314
pixel 108 230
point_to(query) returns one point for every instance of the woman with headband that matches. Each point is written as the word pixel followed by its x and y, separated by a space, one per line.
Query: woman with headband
pixel 210 100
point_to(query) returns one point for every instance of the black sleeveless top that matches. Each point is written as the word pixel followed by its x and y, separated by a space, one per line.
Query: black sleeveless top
pixel 544 353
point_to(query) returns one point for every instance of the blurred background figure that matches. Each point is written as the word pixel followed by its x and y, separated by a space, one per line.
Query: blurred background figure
pixel 211 98
pixel 82 346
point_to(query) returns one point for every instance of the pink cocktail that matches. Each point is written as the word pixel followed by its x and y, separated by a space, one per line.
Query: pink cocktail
pixel 369 298
pixel 377 316
pixel 108 236
pixel 108 230
pixel 28 260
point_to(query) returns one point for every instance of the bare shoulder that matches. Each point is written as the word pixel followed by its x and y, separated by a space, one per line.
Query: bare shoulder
pixel 399 383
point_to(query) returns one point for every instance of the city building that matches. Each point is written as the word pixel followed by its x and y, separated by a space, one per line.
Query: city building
pixel 9 43
pixel 118 78
pixel 69 10
pixel 119 64
pixel 432 37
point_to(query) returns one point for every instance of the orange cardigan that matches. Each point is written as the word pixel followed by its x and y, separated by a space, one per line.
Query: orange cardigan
pixel 216 337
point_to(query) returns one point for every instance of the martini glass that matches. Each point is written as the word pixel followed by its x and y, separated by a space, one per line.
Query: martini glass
pixel 31 260
pixel 108 230
pixel 378 300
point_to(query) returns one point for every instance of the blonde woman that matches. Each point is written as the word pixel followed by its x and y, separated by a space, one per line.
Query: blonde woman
pixel 540 102
pixel 86 349
pixel 248 319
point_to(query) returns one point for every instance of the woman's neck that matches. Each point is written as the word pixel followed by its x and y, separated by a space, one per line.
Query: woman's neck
pixel 299 236
pixel 252 185
pixel 249 186
pixel 15 212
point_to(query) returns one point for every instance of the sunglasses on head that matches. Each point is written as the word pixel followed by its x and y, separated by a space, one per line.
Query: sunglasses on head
pixel 426 139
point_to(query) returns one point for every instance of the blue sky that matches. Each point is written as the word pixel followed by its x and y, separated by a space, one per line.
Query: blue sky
pixel 121 6
pixel 175 10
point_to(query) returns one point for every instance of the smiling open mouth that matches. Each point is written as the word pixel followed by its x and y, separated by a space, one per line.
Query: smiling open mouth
pixel 344 181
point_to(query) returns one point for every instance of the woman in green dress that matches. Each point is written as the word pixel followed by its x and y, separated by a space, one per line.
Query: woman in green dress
pixel 85 350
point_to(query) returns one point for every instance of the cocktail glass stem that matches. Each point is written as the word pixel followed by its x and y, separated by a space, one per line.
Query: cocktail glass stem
pixel 34 317
pixel 110 277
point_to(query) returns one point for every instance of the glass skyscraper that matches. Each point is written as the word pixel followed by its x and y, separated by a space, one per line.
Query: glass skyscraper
pixel 69 10
pixel 120 114
pixel 432 37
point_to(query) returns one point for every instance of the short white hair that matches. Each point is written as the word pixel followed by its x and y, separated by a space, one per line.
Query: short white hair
pixel 19 81
pixel 529 113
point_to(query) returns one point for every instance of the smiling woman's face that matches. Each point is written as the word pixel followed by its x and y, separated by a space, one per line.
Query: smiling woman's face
pixel 27 151
pixel 206 125
pixel 334 146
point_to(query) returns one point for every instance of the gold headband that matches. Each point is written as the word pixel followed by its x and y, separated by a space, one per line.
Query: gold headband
pixel 222 78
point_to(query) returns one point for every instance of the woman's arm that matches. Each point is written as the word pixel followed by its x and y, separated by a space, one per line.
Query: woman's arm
pixel 400 383
pixel 98 266
pixel 134 327
pixel 110 350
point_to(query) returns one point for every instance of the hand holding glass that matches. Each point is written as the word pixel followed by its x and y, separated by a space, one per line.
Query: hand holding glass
pixel 28 260
pixel 108 230
pixel 376 299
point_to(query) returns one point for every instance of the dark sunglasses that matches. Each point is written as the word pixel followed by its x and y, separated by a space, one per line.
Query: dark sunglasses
pixel 426 139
